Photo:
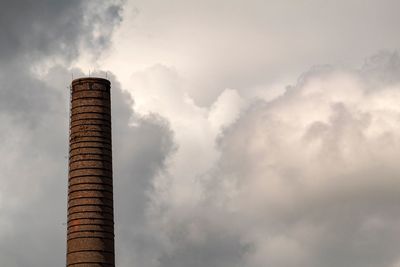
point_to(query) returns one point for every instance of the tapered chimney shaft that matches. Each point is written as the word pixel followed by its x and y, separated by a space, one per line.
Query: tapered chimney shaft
pixel 90 232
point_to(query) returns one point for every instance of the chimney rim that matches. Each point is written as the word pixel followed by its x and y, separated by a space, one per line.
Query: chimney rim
pixel 90 79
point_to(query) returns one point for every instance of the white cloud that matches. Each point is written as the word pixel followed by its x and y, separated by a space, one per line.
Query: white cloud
pixel 309 177
pixel 220 164
pixel 248 44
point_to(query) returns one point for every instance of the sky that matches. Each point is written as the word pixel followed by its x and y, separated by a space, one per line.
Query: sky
pixel 245 133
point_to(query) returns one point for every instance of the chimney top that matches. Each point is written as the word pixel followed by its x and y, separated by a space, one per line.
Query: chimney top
pixel 90 79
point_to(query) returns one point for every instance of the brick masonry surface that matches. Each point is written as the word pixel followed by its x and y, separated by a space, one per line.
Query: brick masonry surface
pixel 90 230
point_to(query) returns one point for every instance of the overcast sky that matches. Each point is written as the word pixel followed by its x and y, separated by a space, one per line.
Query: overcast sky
pixel 246 133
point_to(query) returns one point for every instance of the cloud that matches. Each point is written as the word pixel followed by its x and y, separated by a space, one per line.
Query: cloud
pixel 308 178
pixel 142 145
pixel 36 30
pixel 249 45
pixel 34 172
pixel 34 129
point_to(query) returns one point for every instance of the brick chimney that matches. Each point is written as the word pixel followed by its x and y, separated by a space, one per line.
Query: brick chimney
pixel 90 232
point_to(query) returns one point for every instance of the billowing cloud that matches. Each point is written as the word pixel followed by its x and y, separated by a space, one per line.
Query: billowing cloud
pixel 41 39
pixel 309 178
pixel 49 29
pixel 34 170
pixel 216 162
pixel 249 45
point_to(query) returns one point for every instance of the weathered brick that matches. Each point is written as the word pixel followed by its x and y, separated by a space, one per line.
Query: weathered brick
pixel 90 231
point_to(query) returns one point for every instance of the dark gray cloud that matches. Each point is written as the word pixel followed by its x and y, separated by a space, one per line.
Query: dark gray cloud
pixel 34 129
pixel 33 30
pixel 41 31
pixel 306 179
pixel 140 154
pixel 34 173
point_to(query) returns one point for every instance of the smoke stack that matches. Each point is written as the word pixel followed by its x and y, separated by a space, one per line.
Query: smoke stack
pixel 90 232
